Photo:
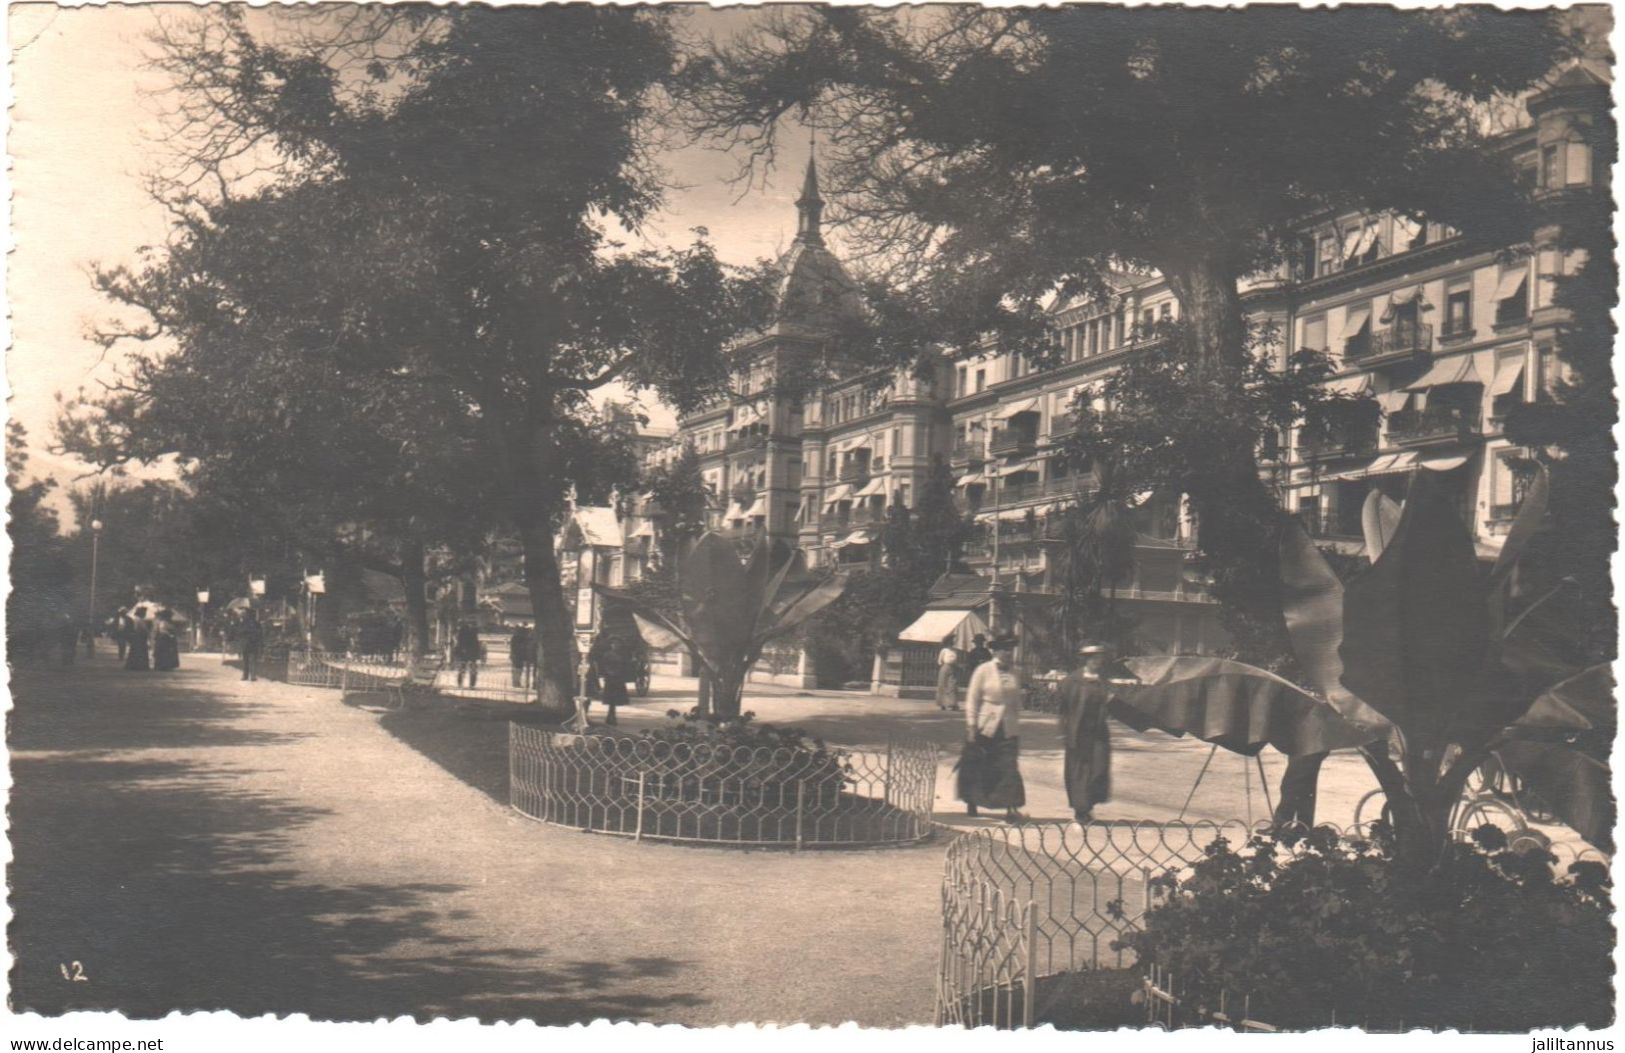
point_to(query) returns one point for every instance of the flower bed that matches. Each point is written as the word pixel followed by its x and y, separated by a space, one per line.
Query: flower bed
pixel 742 785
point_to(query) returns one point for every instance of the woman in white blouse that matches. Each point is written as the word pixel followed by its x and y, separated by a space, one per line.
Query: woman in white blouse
pixel 948 675
pixel 989 770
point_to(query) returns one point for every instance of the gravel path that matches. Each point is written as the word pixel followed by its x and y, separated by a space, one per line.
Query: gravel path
pixel 199 843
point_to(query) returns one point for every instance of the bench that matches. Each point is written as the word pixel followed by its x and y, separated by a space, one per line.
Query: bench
pixel 421 673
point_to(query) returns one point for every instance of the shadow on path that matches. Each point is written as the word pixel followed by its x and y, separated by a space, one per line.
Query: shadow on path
pixel 173 883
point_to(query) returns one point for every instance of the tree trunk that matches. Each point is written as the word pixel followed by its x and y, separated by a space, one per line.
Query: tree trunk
pixel 727 693
pixel 414 581
pixel 555 644
pixel 1238 519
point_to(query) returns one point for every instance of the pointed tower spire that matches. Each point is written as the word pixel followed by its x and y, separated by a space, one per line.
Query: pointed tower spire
pixel 810 205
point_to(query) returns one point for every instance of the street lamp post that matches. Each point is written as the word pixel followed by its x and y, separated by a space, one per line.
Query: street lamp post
pixel 95 556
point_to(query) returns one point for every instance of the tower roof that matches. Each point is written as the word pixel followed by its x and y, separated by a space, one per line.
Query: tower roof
pixel 815 291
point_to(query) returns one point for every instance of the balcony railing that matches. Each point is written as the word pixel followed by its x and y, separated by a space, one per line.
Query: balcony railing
pixel 1395 342
pixel 868 516
pixel 966 453
pixel 1011 441
pixel 1337 443
pixel 855 472
pixel 1063 427
pixel 1434 424
pixel 740 443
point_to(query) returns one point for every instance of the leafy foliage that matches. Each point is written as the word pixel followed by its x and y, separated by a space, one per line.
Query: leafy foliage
pixel 42 577
pixel 1320 929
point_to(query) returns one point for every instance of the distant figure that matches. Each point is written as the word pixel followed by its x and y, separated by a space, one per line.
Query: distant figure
pixel 978 657
pixel 1087 766
pixel 250 642
pixel 67 640
pixel 611 667
pixel 166 650
pixel 138 635
pixel 465 653
pixel 948 675
pixel 121 634
pixel 521 655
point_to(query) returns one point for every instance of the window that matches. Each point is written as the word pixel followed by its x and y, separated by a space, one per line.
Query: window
pixel 1512 297
pixel 1314 333
pixel 1148 318
pixel 1094 336
pixel 1166 312
pixel 1551 371
pixel 1526 173
pixel 1328 254
pixel 902 496
pixel 981 379
pixel 1551 167
pixel 959 381
pixel 1578 164
pixel 896 441
pixel 1458 312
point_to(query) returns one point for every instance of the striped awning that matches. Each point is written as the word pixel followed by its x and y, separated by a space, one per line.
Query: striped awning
pixel 1358 384
pixel 839 494
pixel 874 486
pixel 1024 406
pixel 1508 375
pixel 1457 370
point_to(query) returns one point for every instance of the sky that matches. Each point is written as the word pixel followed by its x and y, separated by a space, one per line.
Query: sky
pixel 83 134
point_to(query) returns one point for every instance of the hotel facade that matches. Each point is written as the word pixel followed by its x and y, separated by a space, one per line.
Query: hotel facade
pixel 1446 334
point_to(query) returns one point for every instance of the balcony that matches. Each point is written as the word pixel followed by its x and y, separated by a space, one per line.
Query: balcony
pixel 1063 427
pixel 1399 343
pixel 1337 443
pixel 741 443
pixel 1012 442
pixel 866 516
pixel 966 454
pixel 1436 424
pixel 854 472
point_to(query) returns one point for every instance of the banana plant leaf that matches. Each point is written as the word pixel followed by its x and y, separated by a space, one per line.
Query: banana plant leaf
pixel 1525 525
pixel 1312 602
pixel 1416 626
pixel 1583 703
pixel 1379 518
pixel 1233 705
pixel 1569 783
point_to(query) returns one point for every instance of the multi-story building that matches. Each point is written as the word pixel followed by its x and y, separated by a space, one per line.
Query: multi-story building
pixel 1444 332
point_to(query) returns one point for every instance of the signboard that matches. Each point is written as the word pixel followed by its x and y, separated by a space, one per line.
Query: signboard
pixel 584 611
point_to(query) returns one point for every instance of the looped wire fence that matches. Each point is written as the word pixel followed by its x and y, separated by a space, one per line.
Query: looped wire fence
pixel 647 788
pixel 1021 903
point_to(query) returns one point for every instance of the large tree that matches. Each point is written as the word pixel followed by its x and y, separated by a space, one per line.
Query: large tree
pixel 995 156
pixel 458 193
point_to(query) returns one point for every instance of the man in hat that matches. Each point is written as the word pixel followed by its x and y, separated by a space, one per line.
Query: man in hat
pixel 989 769
pixel 979 655
pixel 1085 698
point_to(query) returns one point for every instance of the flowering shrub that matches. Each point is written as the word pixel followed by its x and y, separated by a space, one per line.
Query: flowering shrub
pixel 1323 928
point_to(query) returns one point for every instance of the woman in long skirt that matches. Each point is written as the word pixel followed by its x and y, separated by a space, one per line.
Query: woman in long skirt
pixel 989 769
pixel 948 675
pixel 139 634
pixel 1085 698
pixel 166 651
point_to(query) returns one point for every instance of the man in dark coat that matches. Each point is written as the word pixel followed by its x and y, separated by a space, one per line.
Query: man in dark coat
pixel 521 655
pixel 1085 697
pixel 250 643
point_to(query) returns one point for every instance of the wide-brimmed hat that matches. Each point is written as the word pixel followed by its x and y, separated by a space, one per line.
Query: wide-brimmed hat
pixel 1002 643
pixel 1094 647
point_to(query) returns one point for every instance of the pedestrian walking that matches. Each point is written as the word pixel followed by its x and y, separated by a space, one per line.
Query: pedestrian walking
pixel 166 650
pixel 138 636
pixel 521 655
pixel 611 666
pixel 121 633
pixel 250 642
pixel 978 657
pixel 989 768
pixel 1086 696
pixel 948 675
pixel 465 653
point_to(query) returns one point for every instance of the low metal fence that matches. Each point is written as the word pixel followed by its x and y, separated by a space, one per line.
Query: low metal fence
pixel 647 788
pixel 1024 903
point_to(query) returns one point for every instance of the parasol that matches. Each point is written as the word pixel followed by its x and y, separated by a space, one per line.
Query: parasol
pixel 241 603
pixel 1233 705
